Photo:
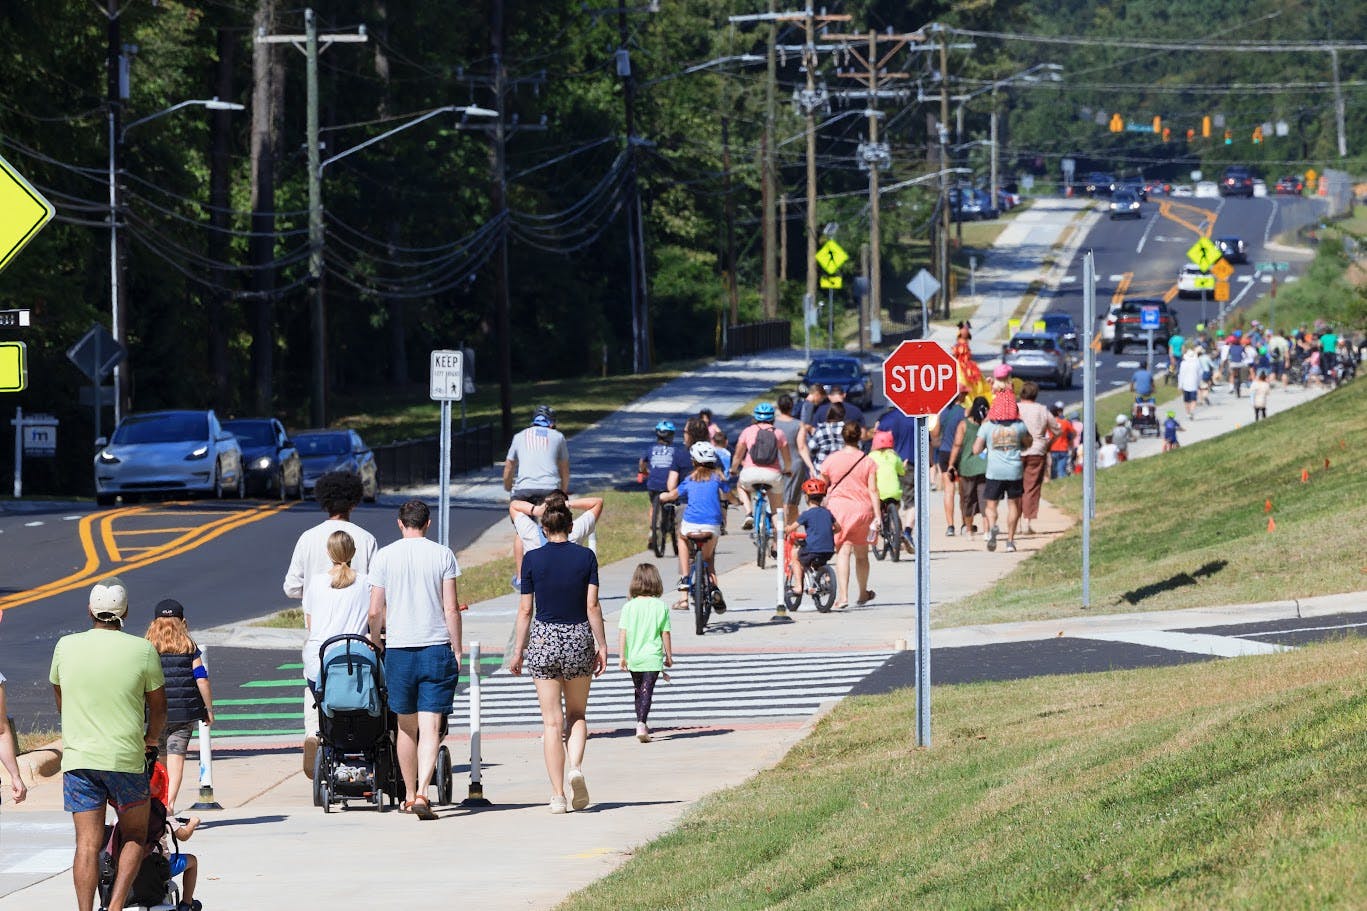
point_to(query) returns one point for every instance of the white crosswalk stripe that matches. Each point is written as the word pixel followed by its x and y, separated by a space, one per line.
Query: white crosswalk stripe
pixel 707 687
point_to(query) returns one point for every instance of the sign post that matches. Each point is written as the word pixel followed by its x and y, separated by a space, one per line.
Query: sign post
pixel 1149 322
pixel 830 258
pixel 920 378
pixel 1088 427
pixel 446 384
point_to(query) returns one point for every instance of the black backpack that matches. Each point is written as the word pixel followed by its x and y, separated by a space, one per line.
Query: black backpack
pixel 765 450
pixel 153 880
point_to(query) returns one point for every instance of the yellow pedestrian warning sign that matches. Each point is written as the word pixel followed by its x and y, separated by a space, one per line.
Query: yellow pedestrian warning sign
pixel 1222 270
pixel 13 367
pixel 831 257
pixel 831 282
pixel 1204 253
pixel 23 212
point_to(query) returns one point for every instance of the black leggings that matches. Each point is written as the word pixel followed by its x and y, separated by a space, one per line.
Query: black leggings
pixel 644 682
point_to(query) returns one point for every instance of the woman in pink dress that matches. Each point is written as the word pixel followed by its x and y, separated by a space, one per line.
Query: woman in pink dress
pixel 853 499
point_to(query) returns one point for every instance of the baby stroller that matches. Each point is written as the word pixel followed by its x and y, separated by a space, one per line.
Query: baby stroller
pixel 154 886
pixel 1144 417
pixel 357 757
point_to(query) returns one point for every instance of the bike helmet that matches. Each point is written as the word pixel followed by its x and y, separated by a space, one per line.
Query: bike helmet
pixel 544 416
pixel 764 411
pixel 814 486
pixel 1120 418
pixel 664 427
pixel 703 453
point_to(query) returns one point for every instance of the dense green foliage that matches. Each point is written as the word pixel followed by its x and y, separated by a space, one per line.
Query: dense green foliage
pixel 411 224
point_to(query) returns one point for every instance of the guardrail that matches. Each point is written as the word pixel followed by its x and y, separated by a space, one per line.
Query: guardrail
pixel 412 462
pixel 752 338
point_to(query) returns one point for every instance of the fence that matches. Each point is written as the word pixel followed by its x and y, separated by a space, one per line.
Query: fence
pixel 752 338
pixel 412 462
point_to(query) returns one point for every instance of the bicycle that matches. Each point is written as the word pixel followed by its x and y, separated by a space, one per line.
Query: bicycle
pixel 763 522
pixel 704 594
pixel 818 580
pixel 889 533
pixel 662 520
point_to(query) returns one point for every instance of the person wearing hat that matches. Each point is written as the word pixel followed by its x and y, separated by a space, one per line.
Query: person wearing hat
pixel 1062 445
pixel 104 680
pixel 1120 436
pixel 1170 428
pixel 538 462
pixel 762 457
pixel 189 699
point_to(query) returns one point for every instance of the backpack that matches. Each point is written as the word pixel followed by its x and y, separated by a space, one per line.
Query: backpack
pixel 152 883
pixel 764 452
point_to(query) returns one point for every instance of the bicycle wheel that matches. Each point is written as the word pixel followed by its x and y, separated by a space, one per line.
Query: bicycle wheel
pixel 791 599
pixel 671 532
pixel 657 541
pixel 761 530
pixel 702 595
pixel 892 532
pixel 880 544
pixel 824 585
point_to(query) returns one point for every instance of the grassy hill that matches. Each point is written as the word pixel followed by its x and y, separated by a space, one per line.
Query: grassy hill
pixel 1228 784
pixel 1189 528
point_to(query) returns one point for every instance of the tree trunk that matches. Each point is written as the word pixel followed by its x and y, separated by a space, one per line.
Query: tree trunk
pixel 398 348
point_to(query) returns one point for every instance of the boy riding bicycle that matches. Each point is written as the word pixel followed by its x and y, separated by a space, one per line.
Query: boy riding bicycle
pixel 821 528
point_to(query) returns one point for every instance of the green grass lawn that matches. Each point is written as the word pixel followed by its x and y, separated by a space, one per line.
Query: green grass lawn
pixel 1188 528
pixel 1222 784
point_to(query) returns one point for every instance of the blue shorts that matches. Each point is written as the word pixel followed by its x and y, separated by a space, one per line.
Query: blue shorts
pixel 90 789
pixel 178 863
pixel 421 679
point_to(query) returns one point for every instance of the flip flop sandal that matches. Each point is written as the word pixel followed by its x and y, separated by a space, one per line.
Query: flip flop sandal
pixel 868 596
pixel 422 809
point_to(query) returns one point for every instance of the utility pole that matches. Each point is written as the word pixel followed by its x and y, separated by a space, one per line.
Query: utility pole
pixel 732 291
pixel 640 318
pixel 1339 110
pixel 114 69
pixel 992 138
pixel 874 155
pixel 309 43
pixel 769 179
pixel 943 255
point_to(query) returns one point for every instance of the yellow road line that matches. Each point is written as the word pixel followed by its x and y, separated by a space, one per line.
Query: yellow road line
pixel 1119 296
pixel 156 531
pixel 92 556
pixel 1165 209
pixel 1169 294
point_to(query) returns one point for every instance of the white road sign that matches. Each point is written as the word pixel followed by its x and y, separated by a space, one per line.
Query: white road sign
pixel 923 286
pixel 447 376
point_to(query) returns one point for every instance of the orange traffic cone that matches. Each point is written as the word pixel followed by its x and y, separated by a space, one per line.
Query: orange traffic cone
pixel 1271 524
pixel 1305 475
pixel 1267 506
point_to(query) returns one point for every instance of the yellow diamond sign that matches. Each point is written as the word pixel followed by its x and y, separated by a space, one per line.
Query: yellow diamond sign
pixel 1222 270
pixel 13 367
pixel 1204 253
pixel 23 212
pixel 831 257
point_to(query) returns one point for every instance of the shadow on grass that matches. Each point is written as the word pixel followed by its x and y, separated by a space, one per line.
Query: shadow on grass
pixel 1181 580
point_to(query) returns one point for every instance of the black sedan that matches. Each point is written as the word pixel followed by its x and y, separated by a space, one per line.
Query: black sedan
pixel 840 370
pixel 337 450
pixel 272 463
pixel 1233 248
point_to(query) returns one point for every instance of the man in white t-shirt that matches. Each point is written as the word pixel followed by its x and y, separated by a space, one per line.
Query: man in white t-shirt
pixel 413 601
pixel 338 492
pixel 537 463
pixel 527 519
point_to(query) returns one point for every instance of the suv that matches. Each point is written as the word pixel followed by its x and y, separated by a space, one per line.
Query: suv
pixel 1099 183
pixel 1237 181
pixel 1233 248
pixel 1127 317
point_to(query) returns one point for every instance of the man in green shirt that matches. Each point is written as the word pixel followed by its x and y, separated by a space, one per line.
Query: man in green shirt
pixel 102 679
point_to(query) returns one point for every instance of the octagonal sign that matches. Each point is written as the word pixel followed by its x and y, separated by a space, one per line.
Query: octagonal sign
pixel 920 378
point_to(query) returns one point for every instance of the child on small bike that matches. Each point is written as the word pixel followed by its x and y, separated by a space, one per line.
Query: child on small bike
pixel 1170 429
pixel 891 468
pixel 705 490
pixel 660 459
pixel 820 526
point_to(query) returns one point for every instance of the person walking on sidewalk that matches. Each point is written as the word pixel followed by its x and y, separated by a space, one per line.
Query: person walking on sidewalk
pixel 852 497
pixel 10 762
pixel 1062 446
pixel 970 466
pixel 797 469
pixel 413 601
pixel 538 462
pixel 1259 389
pixel 1003 438
pixel 643 640
pixel 1042 427
pixel 189 698
pixel 106 683
pixel 1189 380
pixel 338 493
pixel 942 440
pixel 560 640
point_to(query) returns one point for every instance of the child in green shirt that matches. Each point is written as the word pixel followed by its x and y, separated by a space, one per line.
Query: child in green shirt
pixel 890 467
pixel 643 640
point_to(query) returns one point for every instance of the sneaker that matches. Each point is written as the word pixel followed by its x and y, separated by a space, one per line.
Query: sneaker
pixel 718 602
pixel 684 584
pixel 642 733
pixel 992 538
pixel 949 532
pixel 558 805
pixel 748 524
pixel 1010 547
pixel 580 789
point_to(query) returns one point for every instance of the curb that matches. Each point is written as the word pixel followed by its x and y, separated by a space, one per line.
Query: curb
pixel 44 762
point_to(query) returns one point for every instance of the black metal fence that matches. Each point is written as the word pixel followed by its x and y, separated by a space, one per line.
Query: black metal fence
pixel 412 462
pixel 752 338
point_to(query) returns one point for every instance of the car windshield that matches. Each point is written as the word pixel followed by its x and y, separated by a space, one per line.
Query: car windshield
pixel 1058 323
pixel 1029 343
pixel 834 367
pixel 322 444
pixel 1124 196
pixel 253 433
pixel 162 428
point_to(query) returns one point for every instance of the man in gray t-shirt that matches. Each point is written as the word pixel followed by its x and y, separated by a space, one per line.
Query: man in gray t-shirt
pixel 413 599
pixel 538 462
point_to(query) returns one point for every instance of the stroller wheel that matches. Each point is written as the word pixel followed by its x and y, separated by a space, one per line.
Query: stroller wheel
pixel 442 777
pixel 320 771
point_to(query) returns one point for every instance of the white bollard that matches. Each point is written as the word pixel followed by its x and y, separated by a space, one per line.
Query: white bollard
pixel 206 762
pixel 476 796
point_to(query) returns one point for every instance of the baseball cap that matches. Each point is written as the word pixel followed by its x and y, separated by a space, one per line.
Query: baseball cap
pixel 170 607
pixel 109 600
pixel 1001 372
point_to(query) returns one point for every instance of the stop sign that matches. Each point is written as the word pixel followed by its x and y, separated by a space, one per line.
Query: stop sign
pixel 920 378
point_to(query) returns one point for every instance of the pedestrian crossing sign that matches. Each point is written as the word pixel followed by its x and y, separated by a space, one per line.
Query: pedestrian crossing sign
pixel 1204 253
pixel 831 257
pixel 831 282
pixel 13 367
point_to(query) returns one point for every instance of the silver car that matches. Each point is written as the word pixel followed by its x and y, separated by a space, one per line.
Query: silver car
pixel 175 452
pixel 1039 356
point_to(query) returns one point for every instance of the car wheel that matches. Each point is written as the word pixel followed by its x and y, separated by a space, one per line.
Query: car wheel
pixel 104 499
pixel 1117 347
pixel 280 485
pixel 240 492
pixel 218 482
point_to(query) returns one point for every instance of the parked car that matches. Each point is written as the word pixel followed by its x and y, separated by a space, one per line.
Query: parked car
pixel 1125 204
pixel 1236 181
pixel 1191 280
pixel 1099 183
pixel 1039 356
pixel 1259 188
pixel 839 370
pixel 1207 189
pixel 322 451
pixel 1062 325
pixel 1127 331
pixel 1233 248
pixel 168 452
pixel 273 464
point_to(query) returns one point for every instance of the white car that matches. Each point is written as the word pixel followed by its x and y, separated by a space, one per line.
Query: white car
pixel 1208 189
pixel 1259 188
pixel 1108 325
pixel 1191 280
pixel 1182 189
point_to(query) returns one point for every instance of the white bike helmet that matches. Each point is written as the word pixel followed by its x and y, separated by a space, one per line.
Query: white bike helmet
pixel 703 453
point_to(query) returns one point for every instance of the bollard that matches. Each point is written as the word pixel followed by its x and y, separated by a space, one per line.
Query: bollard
pixel 476 796
pixel 780 612
pixel 206 762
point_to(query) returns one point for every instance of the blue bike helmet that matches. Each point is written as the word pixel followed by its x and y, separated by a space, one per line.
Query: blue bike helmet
pixel 664 427
pixel 764 411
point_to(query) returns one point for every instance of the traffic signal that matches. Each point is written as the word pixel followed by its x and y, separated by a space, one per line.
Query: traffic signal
pixel 1117 123
pixel 1205 127
pixel 1191 135
pixel 1158 124
pixel 1257 135
pixel 1229 137
pixel 1167 134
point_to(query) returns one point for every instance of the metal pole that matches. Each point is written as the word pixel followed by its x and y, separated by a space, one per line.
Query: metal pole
pixel 768 177
pixel 922 584
pixel 1339 112
pixel 808 310
pixel 873 300
pixel 317 312
pixel 780 606
pixel 944 174
pixel 995 154
pixel 830 315
pixel 1148 364
pixel 476 796
pixel 444 476
pixel 114 62
pixel 18 453
pixel 809 63
pixel 1088 426
pixel 99 408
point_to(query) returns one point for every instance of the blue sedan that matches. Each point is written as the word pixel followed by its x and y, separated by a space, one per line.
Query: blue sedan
pixel 839 370
pixel 169 452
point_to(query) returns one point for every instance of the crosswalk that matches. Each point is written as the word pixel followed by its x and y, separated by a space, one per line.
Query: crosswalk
pixel 701 688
